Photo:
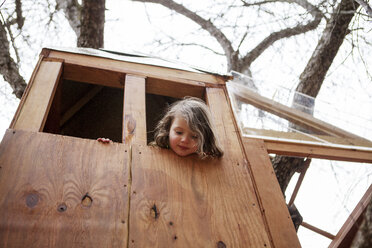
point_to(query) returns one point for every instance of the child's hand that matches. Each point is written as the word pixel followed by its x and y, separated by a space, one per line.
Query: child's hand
pixel 104 140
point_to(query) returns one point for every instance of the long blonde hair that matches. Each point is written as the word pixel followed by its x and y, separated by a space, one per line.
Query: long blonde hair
pixel 197 116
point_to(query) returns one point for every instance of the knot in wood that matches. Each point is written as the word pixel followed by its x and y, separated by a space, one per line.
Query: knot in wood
pixel 32 200
pixel 86 201
pixel 61 207
pixel 221 244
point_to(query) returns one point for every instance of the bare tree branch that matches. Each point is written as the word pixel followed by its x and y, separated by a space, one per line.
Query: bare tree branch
pixel 8 68
pixel 72 9
pixel 205 24
pixel 365 5
pixel 20 18
pixel 285 33
pixel 333 35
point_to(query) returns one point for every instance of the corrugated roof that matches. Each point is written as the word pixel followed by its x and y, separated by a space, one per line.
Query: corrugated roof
pixel 136 57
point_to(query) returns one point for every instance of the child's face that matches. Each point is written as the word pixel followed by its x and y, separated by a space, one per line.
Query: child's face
pixel 182 140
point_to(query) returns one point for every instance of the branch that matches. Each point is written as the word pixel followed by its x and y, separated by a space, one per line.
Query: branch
pixel 285 33
pixel 205 24
pixel 20 18
pixel 332 38
pixel 365 5
pixel 8 68
pixel 72 9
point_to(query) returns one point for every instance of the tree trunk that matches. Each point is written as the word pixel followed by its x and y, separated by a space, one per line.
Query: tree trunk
pixel 363 238
pixel 92 21
pixel 312 79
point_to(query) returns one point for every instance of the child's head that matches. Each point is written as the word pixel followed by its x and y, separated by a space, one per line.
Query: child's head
pixel 186 128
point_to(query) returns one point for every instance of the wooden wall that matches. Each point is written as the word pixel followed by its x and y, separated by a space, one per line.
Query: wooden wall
pixel 58 191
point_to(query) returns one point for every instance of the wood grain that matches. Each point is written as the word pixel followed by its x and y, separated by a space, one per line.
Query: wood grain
pixel 134 110
pixel 300 137
pixel 276 212
pixel 188 202
pixel 59 191
pixel 317 150
pixel 34 111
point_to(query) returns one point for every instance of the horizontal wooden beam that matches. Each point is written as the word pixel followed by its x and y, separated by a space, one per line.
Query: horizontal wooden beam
pixel 115 79
pixel 291 114
pixel 297 136
pixel 134 68
pixel 317 150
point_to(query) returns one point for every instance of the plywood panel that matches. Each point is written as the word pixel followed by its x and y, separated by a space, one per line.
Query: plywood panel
pixel 59 191
pixel 188 202
pixel 134 110
pixel 33 112
pixel 276 212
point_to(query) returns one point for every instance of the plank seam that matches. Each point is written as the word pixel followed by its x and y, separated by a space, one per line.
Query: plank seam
pixel 129 189
pixel 260 204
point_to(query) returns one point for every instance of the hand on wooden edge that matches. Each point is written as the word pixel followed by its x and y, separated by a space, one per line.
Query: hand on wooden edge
pixel 104 140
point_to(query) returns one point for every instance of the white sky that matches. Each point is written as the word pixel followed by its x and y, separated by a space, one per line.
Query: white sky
pixel 321 199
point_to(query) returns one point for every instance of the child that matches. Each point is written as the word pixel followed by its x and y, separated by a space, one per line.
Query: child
pixel 186 129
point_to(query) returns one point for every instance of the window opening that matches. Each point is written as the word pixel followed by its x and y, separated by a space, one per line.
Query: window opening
pixel 86 111
pixel 156 107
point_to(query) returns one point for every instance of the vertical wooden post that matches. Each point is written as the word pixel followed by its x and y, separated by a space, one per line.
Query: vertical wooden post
pixel 134 126
pixel 34 110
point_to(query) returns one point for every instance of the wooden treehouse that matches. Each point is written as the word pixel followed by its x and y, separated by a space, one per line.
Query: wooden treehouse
pixel 59 187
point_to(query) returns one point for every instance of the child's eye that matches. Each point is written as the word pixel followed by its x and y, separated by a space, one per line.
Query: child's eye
pixel 178 132
pixel 194 137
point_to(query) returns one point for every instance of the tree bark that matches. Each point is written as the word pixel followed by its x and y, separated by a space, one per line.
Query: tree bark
pixel 363 237
pixel 72 10
pixel 92 24
pixel 8 67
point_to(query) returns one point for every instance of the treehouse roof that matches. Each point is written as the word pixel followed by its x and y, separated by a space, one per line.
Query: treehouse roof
pixel 139 58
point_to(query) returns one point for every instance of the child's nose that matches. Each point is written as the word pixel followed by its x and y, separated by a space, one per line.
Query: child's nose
pixel 185 139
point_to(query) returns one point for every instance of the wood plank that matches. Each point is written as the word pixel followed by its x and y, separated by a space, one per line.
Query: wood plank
pixel 34 111
pixel 134 125
pixel 295 136
pixel 58 191
pixel 318 150
pixel 318 230
pixel 177 89
pixel 174 89
pixel 291 114
pixel 188 202
pixel 348 230
pixel 136 69
pixel 27 90
pixel 299 181
pixel 93 75
pixel 273 202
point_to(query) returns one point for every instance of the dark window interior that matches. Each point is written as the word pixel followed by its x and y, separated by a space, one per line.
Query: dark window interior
pixel 156 107
pixel 86 111
pixel 93 111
